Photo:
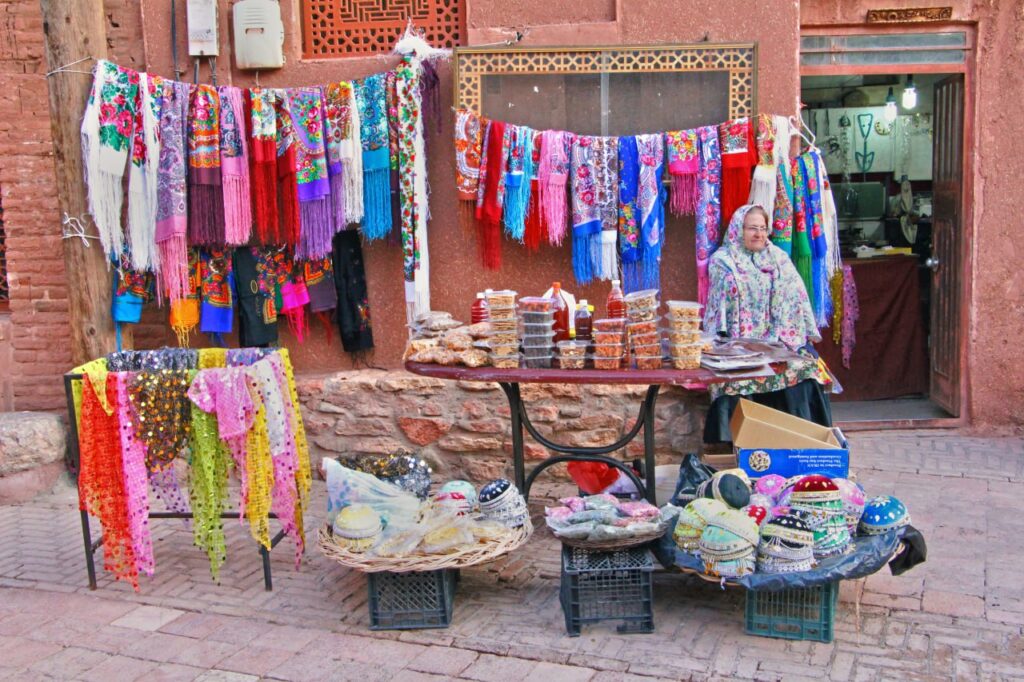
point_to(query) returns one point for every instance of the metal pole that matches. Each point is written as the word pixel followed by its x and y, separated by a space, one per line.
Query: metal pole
pixel 649 401
pixel 515 404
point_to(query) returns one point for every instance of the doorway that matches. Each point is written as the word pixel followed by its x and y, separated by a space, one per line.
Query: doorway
pixel 889 111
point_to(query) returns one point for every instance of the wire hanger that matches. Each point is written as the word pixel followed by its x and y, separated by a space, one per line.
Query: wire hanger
pixel 798 124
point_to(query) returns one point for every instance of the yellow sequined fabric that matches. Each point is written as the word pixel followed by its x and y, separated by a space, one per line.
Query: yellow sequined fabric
pixel 260 473
pixel 208 487
pixel 213 358
pixel 303 477
pixel 95 373
pixel 837 306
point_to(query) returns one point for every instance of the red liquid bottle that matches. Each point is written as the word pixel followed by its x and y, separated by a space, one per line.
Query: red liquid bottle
pixel 479 312
pixel 561 313
pixel 616 304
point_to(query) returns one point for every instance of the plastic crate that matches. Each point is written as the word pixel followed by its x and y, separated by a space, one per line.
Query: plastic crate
pixel 414 600
pixel 805 614
pixel 600 586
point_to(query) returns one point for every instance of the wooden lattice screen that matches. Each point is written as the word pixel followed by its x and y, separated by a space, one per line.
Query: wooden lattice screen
pixel 344 28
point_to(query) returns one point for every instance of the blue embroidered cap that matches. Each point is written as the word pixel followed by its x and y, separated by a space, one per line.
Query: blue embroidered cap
pixel 882 514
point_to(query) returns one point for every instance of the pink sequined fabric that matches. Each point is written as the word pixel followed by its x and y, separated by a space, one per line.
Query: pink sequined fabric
pixel 851 313
pixel 133 454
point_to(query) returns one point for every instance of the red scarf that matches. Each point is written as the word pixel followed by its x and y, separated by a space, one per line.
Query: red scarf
pixel 262 166
pixel 488 214
pixel 287 176
pixel 739 156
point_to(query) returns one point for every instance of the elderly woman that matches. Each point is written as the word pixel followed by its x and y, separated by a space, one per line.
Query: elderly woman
pixel 756 293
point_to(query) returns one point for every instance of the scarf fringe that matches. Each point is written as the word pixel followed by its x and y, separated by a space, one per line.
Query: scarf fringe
pixel 467 216
pixel 263 187
pixel 517 206
pixel 632 276
pixel 205 215
pixel 684 193
pixel 609 255
pixel 297 323
pixel 237 209
pixel 106 194
pixel 650 268
pixel 141 225
pixel 338 201
pixel 290 222
pixel 581 258
pixel 173 254
pixel 555 210
pixel 735 189
pixel 763 188
pixel 317 229
pixel 376 203
pixel 534 229
pixel 490 244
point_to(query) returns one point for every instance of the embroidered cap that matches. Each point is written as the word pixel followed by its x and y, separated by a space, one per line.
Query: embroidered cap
pixel 882 514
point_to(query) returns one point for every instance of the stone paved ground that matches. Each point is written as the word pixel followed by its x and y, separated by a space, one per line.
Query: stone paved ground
pixel 960 615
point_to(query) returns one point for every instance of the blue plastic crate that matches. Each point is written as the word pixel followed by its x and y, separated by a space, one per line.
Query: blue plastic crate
pixel 413 600
pixel 807 614
pixel 600 586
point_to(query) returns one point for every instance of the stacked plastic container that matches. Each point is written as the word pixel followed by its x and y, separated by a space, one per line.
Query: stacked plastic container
pixel 684 343
pixel 503 337
pixel 537 317
pixel 609 343
pixel 642 328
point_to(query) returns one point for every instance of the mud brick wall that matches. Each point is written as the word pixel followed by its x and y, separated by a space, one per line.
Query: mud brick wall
pixel 463 428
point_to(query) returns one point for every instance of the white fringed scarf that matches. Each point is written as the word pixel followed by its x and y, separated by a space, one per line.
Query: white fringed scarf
pixel 142 175
pixel 352 164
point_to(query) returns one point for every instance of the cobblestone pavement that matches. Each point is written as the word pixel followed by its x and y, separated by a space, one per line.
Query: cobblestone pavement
pixel 960 615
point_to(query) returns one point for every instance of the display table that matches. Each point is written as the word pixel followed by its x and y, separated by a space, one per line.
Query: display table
pixel 654 379
pixel 891 356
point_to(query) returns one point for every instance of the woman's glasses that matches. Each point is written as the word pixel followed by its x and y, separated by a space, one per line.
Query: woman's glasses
pixel 755 230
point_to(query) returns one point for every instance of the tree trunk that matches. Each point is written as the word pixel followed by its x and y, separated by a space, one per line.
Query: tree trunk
pixel 75 29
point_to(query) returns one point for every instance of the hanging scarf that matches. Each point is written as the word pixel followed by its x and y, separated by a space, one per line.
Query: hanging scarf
pixel 263 164
pixel 101 481
pixel 391 99
pixel 185 311
pixel 290 215
pixel 595 205
pixel 629 220
pixel 469 135
pixel 353 300
pixel 801 253
pixel 490 197
pixel 683 167
pixel 208 486
pixel 533 234
pixel 850 305
pixel 205 196
pixel 133 463
pixel 172 192
pixel 830 221
pixel 131 290
pixel 216 309
pixel 757 294
pixel 651 206
pixel 314 186
pixel 160 414
pixel 255 327
pixel 294 297
pixel 282 365
pixel 782 216
pixel 709 209
pixel 106 141
pixel 517 182
pixel 142 174
pixel 352 161
pixel 338 135
pixel 552 181
pixel 821 299
pixel 763 188
pixel 234 165
pixel 371 97
pixel 323 296
pixel 413 186
pixel 738 160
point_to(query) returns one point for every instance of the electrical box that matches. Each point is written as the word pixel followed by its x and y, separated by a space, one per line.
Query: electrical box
pixel 259 34
pixel 202 28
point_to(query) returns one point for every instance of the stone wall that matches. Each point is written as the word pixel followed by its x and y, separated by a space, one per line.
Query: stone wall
pixel 463 428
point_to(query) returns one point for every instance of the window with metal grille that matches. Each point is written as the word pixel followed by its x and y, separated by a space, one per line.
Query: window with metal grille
pixel 883 48
pixel 345 28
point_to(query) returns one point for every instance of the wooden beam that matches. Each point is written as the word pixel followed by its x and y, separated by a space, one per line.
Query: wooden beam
pixel 76 29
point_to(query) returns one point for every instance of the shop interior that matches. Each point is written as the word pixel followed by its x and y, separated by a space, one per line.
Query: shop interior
pixel 877 136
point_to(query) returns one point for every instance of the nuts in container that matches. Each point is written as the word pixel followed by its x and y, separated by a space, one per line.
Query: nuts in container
pixel 684 309
pixel 684 324
pixel 648 298
pixel 539 362
pixel 505 361
pixel 610 350
pixel 502 298
pixel 648 361
pixel 683 337
pixel 607 363
pixel 643 327
pixel 536 304
pixel 612 337
pixel 572 354
pixel 501 313
pixel 610 324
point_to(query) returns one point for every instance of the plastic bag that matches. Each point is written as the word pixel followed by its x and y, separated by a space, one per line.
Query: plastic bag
pixel 692 472
pixel 399 509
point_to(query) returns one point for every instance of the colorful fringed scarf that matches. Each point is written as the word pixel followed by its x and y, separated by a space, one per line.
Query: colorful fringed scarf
pixel 314 186
pixel 263 164
pixel 534 232
pixel 413 186
pixel 234 166
pixel 738 159
pixel 815 220
pixel 338 135
pixel 294 297
pixel 205 196
pixel 683 167
pixel 101 480
pixel 651 206
pixel 208 487
pixel 552 181
pixel 216 284
pixel 763 188
pixel 185 311
pixel 801 251
pixel 629 219
pixel 142 174
pixel 133 460
pixel 290 215
pixel 371 97
pixel 353 298
pixel 106 141
pixel 172 192
pixel 517 182
pixel 594 205
pixel 782 213
pixel 709 209
pixel 830 220
pixel 490 196
pixel 469 136
pixel 323 296
pixel 131 291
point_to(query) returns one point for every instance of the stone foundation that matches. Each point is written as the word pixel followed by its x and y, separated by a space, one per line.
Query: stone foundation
pixel 32 450
pixel 463 428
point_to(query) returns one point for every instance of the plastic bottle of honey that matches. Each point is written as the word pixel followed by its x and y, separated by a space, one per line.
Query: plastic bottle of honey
pixel 561 313
pixel 616 305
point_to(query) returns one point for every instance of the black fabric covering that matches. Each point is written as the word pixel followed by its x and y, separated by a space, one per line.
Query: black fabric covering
pixel 692 473
pixel 913 552
pixel 252 330
pixel 806 400
pixel 353 302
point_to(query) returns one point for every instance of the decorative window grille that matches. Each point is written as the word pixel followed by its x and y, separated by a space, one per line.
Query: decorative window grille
pixel 345 28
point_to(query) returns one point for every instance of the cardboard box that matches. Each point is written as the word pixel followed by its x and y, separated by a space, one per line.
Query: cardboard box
pixel 768 441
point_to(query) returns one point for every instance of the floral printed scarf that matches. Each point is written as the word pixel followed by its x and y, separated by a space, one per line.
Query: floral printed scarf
pixel 371 98
pixel 683 168
pixel 413 186
pixel 709 209
pixel 172 192
pixel 142 174
pixel 338 136
pixel 469 136
pixel 314 187
pixel 651 206
pixel 263 164
pixel 205 196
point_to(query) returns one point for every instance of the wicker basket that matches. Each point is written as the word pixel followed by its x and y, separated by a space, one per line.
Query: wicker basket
pixel 611 545
pixel 477 554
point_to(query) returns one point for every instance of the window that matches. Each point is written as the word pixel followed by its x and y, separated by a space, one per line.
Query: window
pixel 345 28
pixel 883 48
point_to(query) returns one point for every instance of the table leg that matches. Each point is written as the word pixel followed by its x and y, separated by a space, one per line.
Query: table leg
pixel 649 464
pixel 90 559
pixel 515 404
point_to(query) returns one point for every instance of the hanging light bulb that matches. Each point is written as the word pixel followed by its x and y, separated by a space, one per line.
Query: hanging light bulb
pixel 909 94
pixel 890 107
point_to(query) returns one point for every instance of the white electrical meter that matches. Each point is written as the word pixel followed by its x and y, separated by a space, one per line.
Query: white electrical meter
pixel 202 28
pixel 259 34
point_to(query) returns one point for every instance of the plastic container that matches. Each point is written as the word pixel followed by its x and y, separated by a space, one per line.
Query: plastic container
pixel 641 314
pixel 539 362
pixel 806 615
pixel 648 361
pixel 685 350
pixel 683 337
pixel 615 304
pixel 600 586
pixel 536 351
pixel 572 349
pixel 642 327
pixel 686 324
pixel 647 298
pixel 501 312
pixel 538 327
pixel 532 340
pixel 531 317
pixel 412 600
pixel 648 349
pixel 505 349
pixel 684 309
pixel 478 313
pixel 609 350
pixel 502 298
pixel 504 361
pixel 609 324
pixel 685 363
pixel 509 325
pixel 606 363
pixel 536 304
pixel 572 362
pixel 613 337
pixel 503 338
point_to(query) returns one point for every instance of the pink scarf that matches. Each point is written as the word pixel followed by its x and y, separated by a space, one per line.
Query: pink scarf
pixel 552 180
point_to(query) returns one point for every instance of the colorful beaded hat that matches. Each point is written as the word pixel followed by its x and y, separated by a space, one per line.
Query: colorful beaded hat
pixel 693 518
pixel 853 499
pixel 465 488
pixel 787 545
pixel 814 489
pixel 882 514
pixel 357 527
pixel 730 489
pixel 756 512
pixel 728 543
pixel 770 485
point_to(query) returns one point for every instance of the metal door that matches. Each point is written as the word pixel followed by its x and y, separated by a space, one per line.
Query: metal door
pixel 947 242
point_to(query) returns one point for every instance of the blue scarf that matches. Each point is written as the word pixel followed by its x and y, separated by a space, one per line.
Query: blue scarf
pixel 517 181
pixel 371 97
pixel 629 220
